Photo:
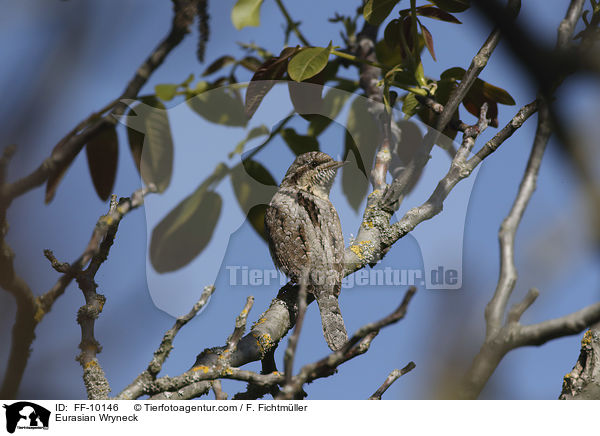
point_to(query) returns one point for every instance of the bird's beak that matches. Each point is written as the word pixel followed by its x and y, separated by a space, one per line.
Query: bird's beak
pixel 336 164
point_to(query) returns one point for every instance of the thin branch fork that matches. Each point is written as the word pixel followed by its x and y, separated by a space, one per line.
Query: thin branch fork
pixel 503 336
pixel 136 388
pixel 197 381
pixel 397 189
pixel 96 253
pixel 394 375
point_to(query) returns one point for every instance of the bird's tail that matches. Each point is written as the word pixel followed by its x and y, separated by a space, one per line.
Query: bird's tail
pixel 334 329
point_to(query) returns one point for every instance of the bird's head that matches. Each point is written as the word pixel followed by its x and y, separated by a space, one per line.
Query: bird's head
pixel 313 172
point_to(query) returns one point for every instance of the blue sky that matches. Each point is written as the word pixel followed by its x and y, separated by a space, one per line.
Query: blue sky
pixel 59 81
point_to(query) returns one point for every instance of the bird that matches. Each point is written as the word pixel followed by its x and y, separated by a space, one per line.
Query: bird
pixel 305 237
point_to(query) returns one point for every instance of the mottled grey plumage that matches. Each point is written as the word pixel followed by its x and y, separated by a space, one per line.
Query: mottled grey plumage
pixel 304 233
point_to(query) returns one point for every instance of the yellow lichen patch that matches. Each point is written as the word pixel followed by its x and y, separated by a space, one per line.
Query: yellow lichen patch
pixel 361 248
pixel 202 368
pixel 90 364
pixel 587 338
pixel 39 314
pixel 260 321
pixel 264 342
pixel 368 224
pixel 227 371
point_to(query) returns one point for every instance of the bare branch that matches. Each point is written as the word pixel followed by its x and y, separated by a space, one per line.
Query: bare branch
pixel 74 141
pixel 199 377
pixel 218 390
pixel 23 332
pixel 576 322
pixel 494 312
pixel 515 312
pixel 240 326
pixel 394 375
pixel 358 344
pixel 567 25
pixel 136 388
pixel 290 352
pixel 477 65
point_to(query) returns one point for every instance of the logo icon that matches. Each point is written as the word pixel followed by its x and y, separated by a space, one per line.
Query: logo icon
pixel 26 415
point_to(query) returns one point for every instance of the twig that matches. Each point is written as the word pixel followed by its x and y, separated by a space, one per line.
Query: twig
pixel 503 337
pixel 477 65
pixel 394 375
pixel 23 331
pixel 198 378
pixel 240 326
pixel 397 189
pixel 567 25
pixel 74 141
pixel 517 310
pixel 358 344
pixel 136 388
pixel 292 24
pixel 496 308
pixel 218 390
pixel 290 352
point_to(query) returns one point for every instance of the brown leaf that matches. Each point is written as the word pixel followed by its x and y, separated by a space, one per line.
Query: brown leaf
pixel 428 40
pixel 430 11
pixel 102 152
pixel 262 80
pixel 218 64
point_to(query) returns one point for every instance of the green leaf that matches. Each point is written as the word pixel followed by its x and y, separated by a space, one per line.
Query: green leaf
pixel 392 35
pixel 375 11
pixel 165 91
pixel 262 80
pixel 253 186
pixel 219 63
pixel 220 106
pixel 497 95
pixel 410 105
pixel 308 62
pixel 254 133
pixel 452 5
pixel 186 230
pixel 246 13
pixel 187 81
pixel 430 11
pixel 387 55
pixel 299 143
pixel 150 142
pixel 102 152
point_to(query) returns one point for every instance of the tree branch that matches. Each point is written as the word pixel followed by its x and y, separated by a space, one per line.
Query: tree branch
pixel 397 189
pixel 394 375
pixel 197 381
pixel 136 388
pixel 73 142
